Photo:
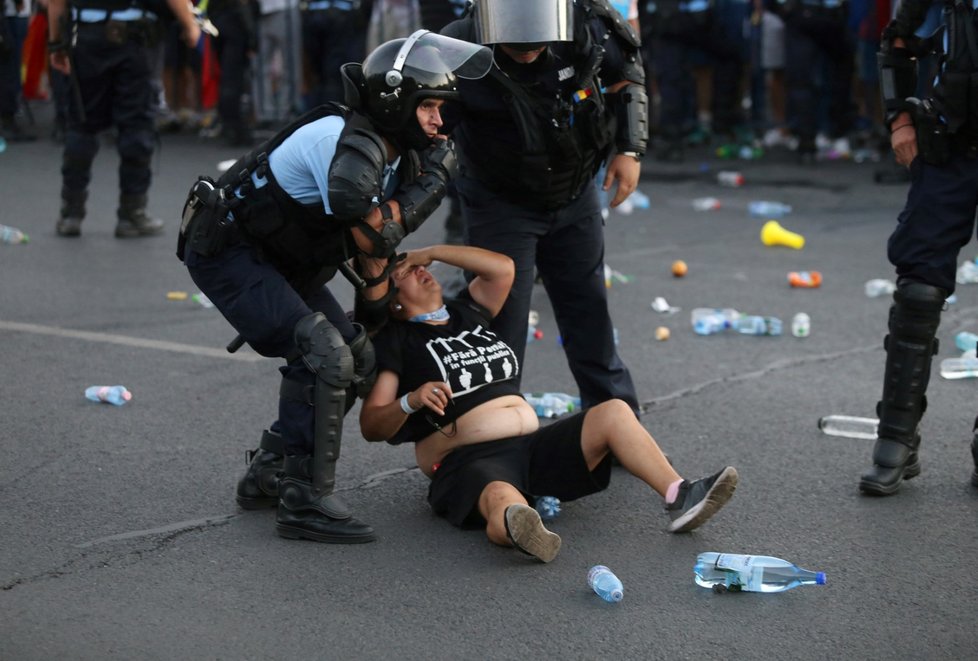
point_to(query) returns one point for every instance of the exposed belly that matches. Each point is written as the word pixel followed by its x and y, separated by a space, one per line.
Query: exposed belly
pixel 496 419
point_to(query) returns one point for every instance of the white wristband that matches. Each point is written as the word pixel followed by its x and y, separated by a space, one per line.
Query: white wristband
pixel 407 407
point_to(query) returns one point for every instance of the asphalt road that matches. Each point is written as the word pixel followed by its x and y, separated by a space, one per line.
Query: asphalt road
pixel 121 538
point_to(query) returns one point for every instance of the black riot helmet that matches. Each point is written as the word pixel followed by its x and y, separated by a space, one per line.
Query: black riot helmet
pixel 399 74
pixel 524 24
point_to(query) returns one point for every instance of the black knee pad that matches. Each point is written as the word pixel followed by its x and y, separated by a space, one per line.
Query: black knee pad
pixel 324 351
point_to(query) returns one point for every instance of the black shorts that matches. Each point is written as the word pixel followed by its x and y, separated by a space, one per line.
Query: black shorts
pixel 548 462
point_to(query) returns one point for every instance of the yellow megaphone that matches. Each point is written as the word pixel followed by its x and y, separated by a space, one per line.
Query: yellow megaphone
pixel 772 234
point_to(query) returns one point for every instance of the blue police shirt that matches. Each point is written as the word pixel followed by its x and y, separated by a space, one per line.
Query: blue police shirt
pixel 301 163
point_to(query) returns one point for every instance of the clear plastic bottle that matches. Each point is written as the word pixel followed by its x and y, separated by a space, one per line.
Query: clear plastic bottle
pixel 965 367
pixel 849 426
pixel 708 321
pixel 879 287
pixel 12 235
pixel 753 324
pixel 202 300
pixel 548 507
pixel 533 334
pixel 552 404
pixel 640 200
pixel 706 203
pixel 117 395
pixel 751 573
pixel 768 209
pixel 730 179
pixel 605 584
pixel 748 153
pixel 965 341
pixel 967 273
pixel 801 325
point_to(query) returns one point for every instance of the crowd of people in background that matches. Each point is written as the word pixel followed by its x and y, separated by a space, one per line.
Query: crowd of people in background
pixel 798 74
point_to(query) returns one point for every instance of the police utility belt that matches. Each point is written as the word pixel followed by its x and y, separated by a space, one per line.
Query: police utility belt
pixel 207 227
pixel 118 27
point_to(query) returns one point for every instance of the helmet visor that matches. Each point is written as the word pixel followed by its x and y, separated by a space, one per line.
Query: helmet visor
pixel 431 53
pixel 523 21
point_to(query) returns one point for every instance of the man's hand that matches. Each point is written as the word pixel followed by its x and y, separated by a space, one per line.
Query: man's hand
pixel 411 259
pixel 191 33
pixel 626 171
pixel 61 62
pixel 903 139
pixel 439 159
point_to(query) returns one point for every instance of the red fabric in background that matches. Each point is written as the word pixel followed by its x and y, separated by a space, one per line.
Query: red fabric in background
pixel 34 57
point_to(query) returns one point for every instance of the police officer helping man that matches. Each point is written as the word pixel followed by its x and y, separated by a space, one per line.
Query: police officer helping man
pixel 566 92
pixel 106 47
pixel 937 138
pixel 339 183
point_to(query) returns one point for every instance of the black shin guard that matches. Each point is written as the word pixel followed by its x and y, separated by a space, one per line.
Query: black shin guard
pixel 910 347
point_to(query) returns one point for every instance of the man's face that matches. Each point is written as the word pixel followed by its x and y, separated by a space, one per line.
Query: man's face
pixel 429 116
pixel 521 55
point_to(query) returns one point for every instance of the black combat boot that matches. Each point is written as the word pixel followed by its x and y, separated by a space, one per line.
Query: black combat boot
pixel 72 212
pixel 303 514
pixel 133 219
pixel 258 487
pixel 910 346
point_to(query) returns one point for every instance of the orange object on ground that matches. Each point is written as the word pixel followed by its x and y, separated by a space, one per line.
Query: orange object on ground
pixel 808 279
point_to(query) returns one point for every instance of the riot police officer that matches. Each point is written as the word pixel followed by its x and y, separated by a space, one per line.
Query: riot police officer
pixel 334 32
pixel 680 31
pixel 106 48
pixel 817 31
pixel 340 182
pixel 937 138
pixel 566 93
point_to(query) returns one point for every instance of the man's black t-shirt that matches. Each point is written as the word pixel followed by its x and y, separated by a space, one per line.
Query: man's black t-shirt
pixel 463 353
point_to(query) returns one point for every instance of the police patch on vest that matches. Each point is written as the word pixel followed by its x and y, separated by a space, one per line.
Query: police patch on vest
pixel 565 73
pixel 473 359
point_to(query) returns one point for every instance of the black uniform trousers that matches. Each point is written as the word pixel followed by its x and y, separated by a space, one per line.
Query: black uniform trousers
pixel 263 307
pixel 567 247
pixel 116 85
pixel 811 39
pixel 331 38
pixel 937 221
pixel 671 57
pixel 231 47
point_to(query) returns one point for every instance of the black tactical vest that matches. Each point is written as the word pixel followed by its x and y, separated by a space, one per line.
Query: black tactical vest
pixel 299 240
pixel 561 141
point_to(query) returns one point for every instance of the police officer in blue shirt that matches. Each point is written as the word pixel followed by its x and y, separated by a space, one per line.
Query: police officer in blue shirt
pixel 566 93
pixel 937 138
pixel 340 183
pixel 106 47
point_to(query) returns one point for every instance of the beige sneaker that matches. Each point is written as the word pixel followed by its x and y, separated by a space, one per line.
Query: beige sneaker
pixel 528 534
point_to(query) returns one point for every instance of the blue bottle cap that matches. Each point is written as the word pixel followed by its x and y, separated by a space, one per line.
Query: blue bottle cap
pixel 820 578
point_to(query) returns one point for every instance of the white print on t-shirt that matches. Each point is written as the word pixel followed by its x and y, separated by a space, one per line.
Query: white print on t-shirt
pixel 473 359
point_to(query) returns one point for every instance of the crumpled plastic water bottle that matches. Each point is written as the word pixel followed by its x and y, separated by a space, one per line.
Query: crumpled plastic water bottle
pixel 967 273
pixel 552 404
pixel 116 395
pixel 548 507
pixel 879 287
